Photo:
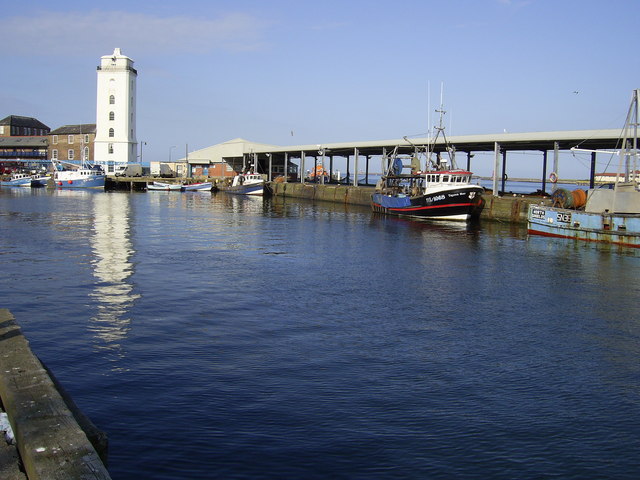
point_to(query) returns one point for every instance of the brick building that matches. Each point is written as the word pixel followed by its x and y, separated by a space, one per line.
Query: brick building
pixel 72 143
pixel 23 143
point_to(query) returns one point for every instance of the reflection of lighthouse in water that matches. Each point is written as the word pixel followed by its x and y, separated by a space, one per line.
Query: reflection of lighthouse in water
pixel 111 267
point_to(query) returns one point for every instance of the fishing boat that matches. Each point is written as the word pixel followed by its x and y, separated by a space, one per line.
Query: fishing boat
pixel 38 181
pixel 440 191
pixel 84 177
pixel 197 187
pixel 17 180
pixel 248 183
pixel 161 186
pixel 604 215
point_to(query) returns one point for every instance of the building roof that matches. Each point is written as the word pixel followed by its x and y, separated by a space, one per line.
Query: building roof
pixel 19 121
pixel 593 139
pixel 565 140
pixel 229 149
pixel 24 142
pixel 84 128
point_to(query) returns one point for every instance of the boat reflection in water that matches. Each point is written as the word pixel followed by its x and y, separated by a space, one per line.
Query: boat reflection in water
pixel 112 250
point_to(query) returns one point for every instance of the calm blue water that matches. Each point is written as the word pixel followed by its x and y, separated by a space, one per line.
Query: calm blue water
pixel 220 337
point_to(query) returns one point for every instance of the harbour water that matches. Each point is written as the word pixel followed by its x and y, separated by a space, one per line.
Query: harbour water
pixel 222 337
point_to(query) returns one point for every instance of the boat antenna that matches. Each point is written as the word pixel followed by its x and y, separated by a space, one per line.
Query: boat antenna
pixel 440 128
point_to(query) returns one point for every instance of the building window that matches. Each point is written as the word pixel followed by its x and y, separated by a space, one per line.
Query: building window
pixel 85 154
pixel 112 116
pixel 86 139
pixel 70 154
pixel 54 154
pixel 110 148
pixel 111 132
pixel 112 100
pixel 70 139
pixel 55 140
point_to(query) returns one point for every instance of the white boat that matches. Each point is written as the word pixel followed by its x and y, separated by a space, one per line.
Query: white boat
pixel 161 186
pixel 17 180
pixel 92 177
pixel 197 187
pixel 245 184
pixel 605 215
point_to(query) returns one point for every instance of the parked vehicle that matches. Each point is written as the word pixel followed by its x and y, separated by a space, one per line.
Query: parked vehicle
pixel 162 170
pixel 128 170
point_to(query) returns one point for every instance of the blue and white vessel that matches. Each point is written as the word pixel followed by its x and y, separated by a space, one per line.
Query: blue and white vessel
pixel 86 176
pixel 245 184
pixel 17 180
pixel 607 215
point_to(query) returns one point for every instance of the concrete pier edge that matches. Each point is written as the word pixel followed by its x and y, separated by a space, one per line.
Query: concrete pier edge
pixel 50 441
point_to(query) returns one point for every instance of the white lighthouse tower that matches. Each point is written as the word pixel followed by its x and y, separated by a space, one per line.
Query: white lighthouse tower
pixel 115 141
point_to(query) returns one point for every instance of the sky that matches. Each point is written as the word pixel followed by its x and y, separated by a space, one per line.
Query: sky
pixel 290 72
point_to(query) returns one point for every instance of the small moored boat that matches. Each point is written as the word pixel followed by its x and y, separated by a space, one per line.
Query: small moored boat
pixel 17 180
pixel 604 215
pixel 245 184
pixel 166 187
pixel 40 181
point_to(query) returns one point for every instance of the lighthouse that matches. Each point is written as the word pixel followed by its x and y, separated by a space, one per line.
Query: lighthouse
pixel 115 142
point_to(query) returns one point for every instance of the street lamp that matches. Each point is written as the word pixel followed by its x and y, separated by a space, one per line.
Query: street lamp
pixel 141 144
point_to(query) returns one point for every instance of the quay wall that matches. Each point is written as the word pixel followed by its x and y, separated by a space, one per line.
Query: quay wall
pixel 511 209
pixel 50 441
pixel 507 208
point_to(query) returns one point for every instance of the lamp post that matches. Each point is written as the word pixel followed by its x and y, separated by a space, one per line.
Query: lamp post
pixel 141 144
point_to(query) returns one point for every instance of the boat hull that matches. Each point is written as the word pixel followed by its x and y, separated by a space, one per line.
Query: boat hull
pixel 197 187
pixel 39 182
pixel 461 204
pixel 244 189
pixel 17 182
pixel 615 229
pixel 96 181
pixel 164 187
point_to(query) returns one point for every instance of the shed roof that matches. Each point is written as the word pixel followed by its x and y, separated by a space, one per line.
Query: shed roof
pixel 229 149
pixel 588 139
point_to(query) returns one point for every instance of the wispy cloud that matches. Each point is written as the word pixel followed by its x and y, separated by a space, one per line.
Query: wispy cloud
pixel 73 33
pixel 330 26
pixel 515 3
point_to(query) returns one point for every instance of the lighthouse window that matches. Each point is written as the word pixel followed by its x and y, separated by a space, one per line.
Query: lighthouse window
pixel 112 100
pixel 111 132
pixel 110 148
pixel 112 116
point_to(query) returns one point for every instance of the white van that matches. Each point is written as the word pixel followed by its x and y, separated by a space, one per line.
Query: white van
pixel 128 170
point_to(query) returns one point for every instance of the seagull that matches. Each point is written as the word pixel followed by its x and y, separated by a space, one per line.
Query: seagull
pixel 576 92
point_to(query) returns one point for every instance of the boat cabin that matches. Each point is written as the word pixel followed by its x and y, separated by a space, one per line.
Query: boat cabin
pixel 448 177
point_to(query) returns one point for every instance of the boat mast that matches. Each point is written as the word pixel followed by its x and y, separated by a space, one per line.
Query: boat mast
pixel 440 131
